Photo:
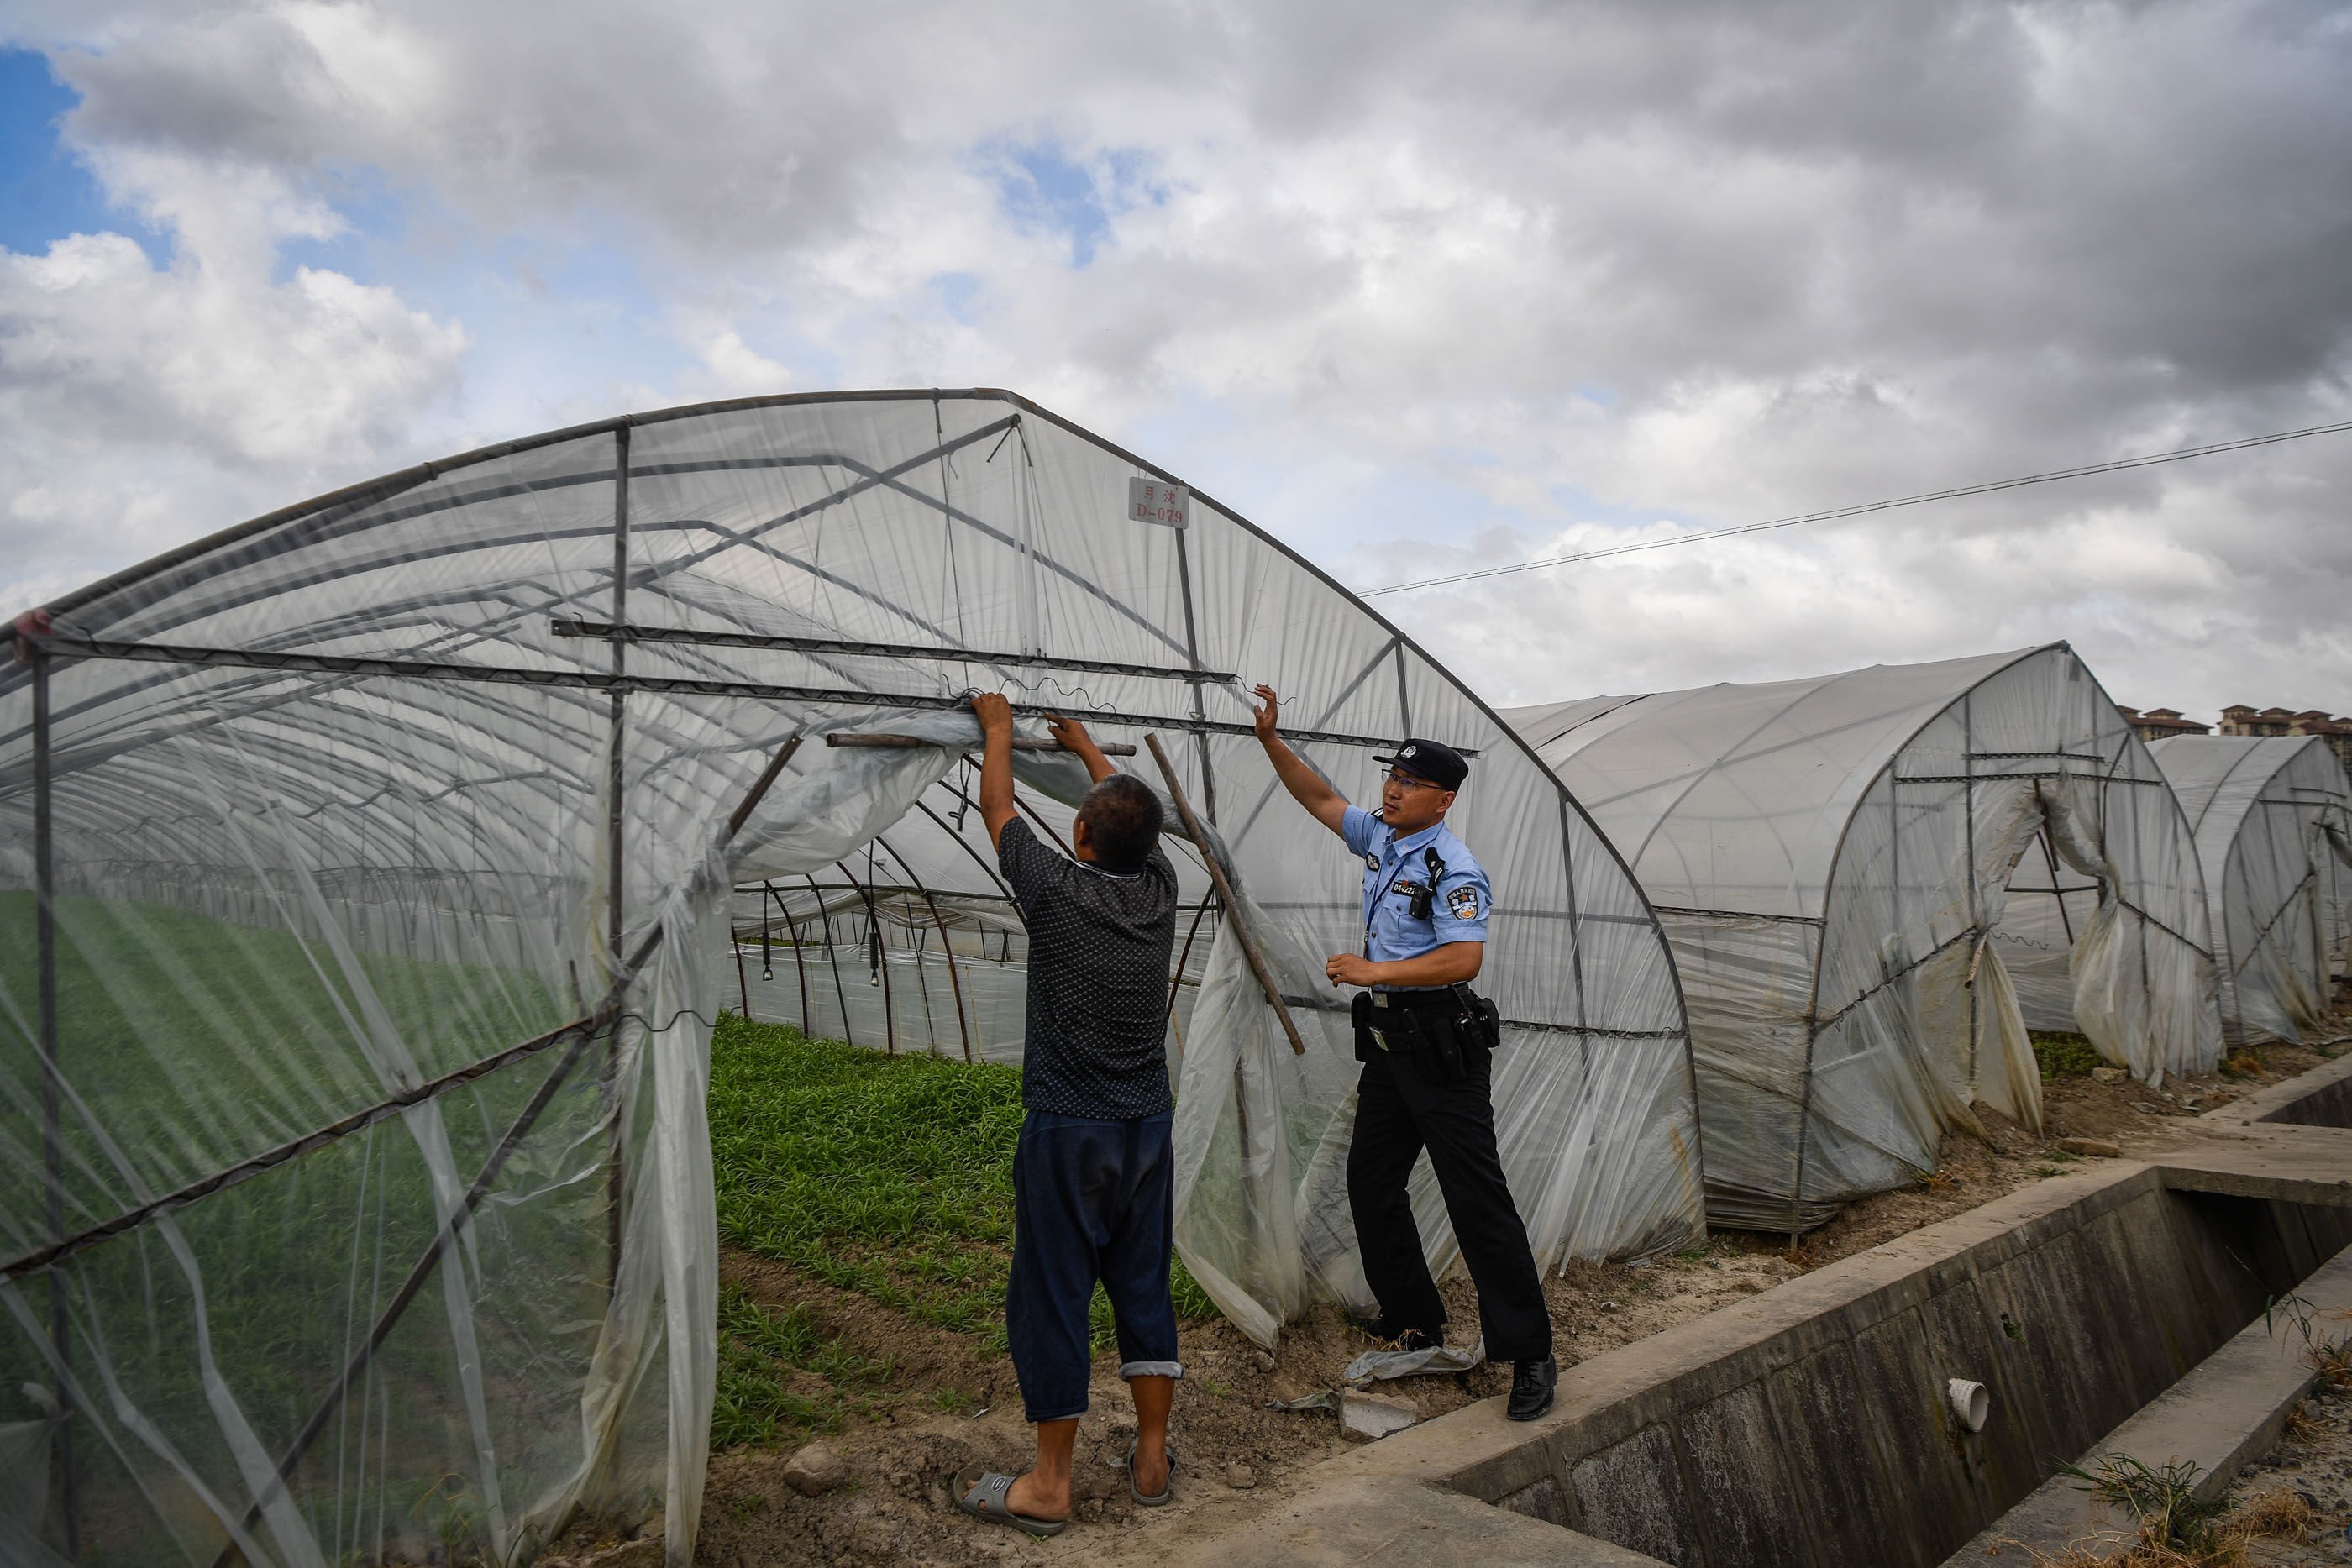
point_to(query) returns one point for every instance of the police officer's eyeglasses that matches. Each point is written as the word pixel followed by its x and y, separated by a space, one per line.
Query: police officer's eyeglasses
pixel 1406 780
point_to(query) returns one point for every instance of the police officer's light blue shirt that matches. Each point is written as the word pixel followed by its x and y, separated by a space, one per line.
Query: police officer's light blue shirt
pixel 1394 869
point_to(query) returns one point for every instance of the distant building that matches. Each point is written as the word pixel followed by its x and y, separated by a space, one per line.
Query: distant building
pixel 2337 732
pixel 2240 720
pixel 2159 722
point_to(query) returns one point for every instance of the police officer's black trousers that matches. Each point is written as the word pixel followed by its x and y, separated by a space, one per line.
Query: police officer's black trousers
pixel 1399 1113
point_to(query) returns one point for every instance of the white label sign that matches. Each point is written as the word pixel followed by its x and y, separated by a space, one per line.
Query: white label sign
pixel 1157 501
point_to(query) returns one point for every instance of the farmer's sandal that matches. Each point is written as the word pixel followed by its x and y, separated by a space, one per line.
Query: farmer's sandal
pixel 981 1493
pixel 1167 1487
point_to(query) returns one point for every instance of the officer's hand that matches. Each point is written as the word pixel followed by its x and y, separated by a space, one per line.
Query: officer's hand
pixel 996 715
pixel 1350 969
pixel 1264 717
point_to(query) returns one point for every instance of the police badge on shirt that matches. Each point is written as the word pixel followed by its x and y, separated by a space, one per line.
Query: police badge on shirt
pixel 1462 903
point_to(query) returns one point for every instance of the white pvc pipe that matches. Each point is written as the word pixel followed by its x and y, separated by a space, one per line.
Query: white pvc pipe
pixel 1972 1402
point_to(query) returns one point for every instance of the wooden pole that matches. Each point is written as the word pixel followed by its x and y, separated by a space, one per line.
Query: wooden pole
pixel 1225 894
pixel 908 742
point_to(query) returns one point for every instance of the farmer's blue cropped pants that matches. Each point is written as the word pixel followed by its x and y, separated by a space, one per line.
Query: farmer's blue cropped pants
pixel 1091 1200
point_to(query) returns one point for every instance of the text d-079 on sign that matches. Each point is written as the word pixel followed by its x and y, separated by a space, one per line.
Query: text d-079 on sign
pixel 1157 501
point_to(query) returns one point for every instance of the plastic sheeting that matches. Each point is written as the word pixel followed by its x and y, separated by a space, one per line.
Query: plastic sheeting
pixel 2273 819
pixel 1875 884
pixel 354 810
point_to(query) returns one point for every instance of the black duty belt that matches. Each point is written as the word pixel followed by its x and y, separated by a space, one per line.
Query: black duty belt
pixel 1440 1001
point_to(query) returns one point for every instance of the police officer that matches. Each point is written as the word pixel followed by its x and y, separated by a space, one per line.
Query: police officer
pixel 1426 1045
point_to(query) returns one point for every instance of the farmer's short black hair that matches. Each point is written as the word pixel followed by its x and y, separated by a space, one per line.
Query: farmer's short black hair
pixel 1122 818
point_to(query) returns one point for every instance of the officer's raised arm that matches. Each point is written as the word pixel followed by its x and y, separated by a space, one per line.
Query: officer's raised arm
pixel 1307 787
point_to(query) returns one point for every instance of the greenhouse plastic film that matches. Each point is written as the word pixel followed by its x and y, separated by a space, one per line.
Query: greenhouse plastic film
pixel 401 813
pixel 1874 882
pixel 2272 817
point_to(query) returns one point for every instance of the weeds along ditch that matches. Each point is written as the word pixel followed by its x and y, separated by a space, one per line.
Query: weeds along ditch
pixel 196 1043
pixel 891 1176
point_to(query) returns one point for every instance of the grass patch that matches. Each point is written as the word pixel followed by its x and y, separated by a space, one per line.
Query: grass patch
pixel 891 1176
pixel 2065 1055
pixel 2174 1527
pixel 760 1349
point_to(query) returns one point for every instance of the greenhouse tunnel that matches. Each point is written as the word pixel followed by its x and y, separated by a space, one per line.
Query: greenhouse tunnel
pixel 369 872
pixel 2273 819
pixel 1875 884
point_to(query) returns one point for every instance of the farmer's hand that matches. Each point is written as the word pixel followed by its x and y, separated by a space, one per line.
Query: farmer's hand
pixel 1073 734
pixel 996 715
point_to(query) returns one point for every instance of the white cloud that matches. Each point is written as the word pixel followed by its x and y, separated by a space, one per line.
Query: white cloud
pixel 143 405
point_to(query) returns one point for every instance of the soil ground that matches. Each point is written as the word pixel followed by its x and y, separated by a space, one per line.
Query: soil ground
pixel 947 1404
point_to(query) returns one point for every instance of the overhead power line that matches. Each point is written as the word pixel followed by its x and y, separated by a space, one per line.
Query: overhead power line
pixel 1955 493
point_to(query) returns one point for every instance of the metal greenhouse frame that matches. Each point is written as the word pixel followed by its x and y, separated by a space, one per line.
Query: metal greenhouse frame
pixel 371 874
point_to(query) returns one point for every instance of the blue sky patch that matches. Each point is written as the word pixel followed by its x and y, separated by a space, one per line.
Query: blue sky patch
pixel 1044 190
pixel 45 193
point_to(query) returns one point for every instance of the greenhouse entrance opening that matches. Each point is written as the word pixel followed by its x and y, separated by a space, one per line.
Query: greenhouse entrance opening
pixel 2049 905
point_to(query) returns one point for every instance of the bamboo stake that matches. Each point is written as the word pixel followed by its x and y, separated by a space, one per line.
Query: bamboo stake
pixel 1225 892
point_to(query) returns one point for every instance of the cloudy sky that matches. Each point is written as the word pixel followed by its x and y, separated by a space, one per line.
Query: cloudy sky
pixel 1417 289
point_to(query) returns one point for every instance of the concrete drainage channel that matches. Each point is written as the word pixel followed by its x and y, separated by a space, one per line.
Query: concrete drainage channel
pixel 2120 1309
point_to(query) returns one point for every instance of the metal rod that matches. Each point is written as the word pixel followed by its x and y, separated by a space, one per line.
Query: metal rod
pixel 760 789
pixel 53 1172
pixel 799 963
pixel 843 648
pixel 608 1014
pixel 509 675
pixel 1192 651
pixel 946 945
pixel 874 926
pixel 832 960
pixel 965 845
pixel 910 742
pixel 318 1138
pixel 767 935
pixel 615 782
pixel 2050 855
pixel 1225 892
pixel 742 981
pixel 1176 981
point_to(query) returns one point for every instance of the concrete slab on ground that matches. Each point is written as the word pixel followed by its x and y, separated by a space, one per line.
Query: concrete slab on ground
pixel 2277 1160
pixel 1370 1521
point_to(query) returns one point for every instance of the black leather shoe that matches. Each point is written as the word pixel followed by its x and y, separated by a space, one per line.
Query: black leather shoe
pixel 1402 1338
pixel 1532 1382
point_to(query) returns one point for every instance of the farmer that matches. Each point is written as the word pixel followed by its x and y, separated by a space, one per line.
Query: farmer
pixel 1091 1175
pixel 1427 1047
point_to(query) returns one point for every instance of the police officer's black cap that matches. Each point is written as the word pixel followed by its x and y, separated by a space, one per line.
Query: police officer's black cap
pixel 1432 760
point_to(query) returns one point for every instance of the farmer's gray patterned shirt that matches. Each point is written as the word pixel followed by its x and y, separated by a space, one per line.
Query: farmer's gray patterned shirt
pixel 1099 943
